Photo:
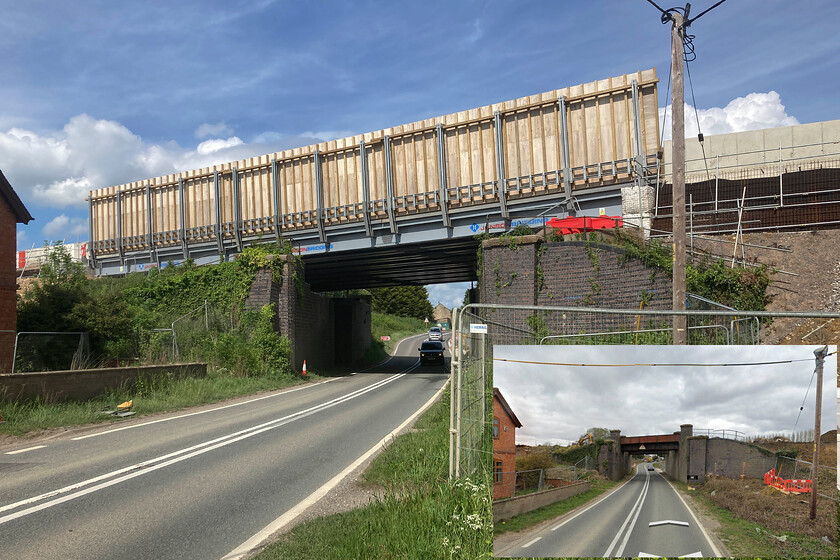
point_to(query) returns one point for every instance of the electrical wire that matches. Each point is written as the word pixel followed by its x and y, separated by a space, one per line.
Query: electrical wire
pixel 744 364
pixel 802 407
pixel 697 116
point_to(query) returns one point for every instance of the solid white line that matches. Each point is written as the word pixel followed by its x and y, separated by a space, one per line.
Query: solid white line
pixel 639 500
pixel 25 450
pixel 593 504
pixel 715 551
pixel 530 543
pixel 668 522
pixel 258 539
pixel 620 551
pixel 154 464
pixel 132 426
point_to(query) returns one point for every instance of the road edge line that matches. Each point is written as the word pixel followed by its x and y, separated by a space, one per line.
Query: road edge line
pixel 263 535
pixel 696 520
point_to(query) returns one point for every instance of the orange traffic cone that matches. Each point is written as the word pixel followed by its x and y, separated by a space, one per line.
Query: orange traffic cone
pixel 304 368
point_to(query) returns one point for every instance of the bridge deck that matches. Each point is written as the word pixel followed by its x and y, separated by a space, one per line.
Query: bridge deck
pixel 503 160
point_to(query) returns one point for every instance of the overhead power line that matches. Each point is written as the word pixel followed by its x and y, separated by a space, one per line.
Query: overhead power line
pixel 677 364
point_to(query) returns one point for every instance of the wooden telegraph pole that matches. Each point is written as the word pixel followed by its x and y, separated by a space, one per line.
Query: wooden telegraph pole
pixel 815 466
pixel 679 23
pixel 678 170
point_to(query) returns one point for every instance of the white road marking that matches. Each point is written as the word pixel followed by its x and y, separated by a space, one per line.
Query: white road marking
pixel 590 506
pixel 668 522
pixel 25 450
pixel 697 554
pixel 530 543
pixel 631 518
pixel 258 539
pixel 140 469
pixel 715 551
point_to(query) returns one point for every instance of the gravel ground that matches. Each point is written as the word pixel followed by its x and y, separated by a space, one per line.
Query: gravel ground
pixel 807 279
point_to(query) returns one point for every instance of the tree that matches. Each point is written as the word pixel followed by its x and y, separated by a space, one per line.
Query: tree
pixel 597 433
pixel 403 301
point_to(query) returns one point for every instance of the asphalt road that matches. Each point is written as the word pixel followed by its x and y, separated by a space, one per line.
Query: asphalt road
pixel 203 482
pixel 644 517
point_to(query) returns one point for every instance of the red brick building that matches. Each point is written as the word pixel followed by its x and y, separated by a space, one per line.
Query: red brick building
pixel 505 423
pixel 12 212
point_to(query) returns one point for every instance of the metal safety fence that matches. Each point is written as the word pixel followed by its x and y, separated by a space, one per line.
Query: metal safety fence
pixel 478 328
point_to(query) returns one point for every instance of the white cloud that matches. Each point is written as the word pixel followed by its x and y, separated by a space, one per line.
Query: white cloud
pixel 59 169
pixel 63 227
pixel 450 295
pixel 208 129
pixel 753 112
pixel 210 146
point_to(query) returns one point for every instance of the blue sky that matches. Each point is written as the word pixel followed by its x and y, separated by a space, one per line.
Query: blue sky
pixel 98 93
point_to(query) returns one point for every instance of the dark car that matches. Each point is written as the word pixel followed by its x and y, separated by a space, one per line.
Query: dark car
pixel 650 467
pixel 431 351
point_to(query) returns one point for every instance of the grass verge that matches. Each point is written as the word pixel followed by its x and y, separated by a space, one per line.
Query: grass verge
pixel 157 394
pixel 394 327
pixel 759 522
pixel 599 485
pixel 422 514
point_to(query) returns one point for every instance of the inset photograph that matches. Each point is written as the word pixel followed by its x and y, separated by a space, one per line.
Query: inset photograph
pixel 665 451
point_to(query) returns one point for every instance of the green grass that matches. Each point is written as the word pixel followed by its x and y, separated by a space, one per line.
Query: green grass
pixel 421 516
pixel 526 520
pixel 395 327
pixel 158 394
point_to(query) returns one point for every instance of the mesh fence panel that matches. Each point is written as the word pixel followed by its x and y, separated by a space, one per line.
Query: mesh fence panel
pixel 36 351
pixel 471 434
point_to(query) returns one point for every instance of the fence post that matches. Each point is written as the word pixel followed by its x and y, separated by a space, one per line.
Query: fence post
pixel 540 483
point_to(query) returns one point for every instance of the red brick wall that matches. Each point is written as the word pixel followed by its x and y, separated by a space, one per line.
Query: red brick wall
pixel 504 450
pixel 8 286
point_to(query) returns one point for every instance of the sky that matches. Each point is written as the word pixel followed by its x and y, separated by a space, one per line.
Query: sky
pixel 97 93
pixel 559 403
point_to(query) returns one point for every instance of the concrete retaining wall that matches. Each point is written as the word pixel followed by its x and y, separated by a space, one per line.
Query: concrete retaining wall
pixel 728 458
pixel 56 386
pixel 511 507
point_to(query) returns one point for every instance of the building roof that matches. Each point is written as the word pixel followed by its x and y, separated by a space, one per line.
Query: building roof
pixel 441 312
pixel 506 407
pixel 7 193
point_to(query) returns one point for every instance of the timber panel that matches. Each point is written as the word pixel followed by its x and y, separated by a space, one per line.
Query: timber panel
pixel 601 144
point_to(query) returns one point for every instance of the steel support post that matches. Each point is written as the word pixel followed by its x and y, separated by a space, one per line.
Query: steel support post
pixel 564 142
pixel 119 228
pixel 183 216
pixel 637 128
pixel 389 182
pixel 275 191
pixel 150 238
pixel 319 191
pixel 501 183
pixel 365 187
pixel 237 215
pixel 441 161
pixel 218 208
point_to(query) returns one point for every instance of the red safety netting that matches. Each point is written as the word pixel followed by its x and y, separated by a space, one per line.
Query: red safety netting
pixel 575 224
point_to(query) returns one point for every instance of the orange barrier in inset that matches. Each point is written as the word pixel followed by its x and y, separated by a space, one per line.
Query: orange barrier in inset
pixel 788 486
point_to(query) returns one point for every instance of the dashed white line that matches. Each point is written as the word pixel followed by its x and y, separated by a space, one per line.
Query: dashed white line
pixel 25 450
pixel 83 488
pixel 530 543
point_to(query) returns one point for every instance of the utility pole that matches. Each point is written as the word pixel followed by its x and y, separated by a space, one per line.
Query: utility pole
pixel 820 353
pixel 678 170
